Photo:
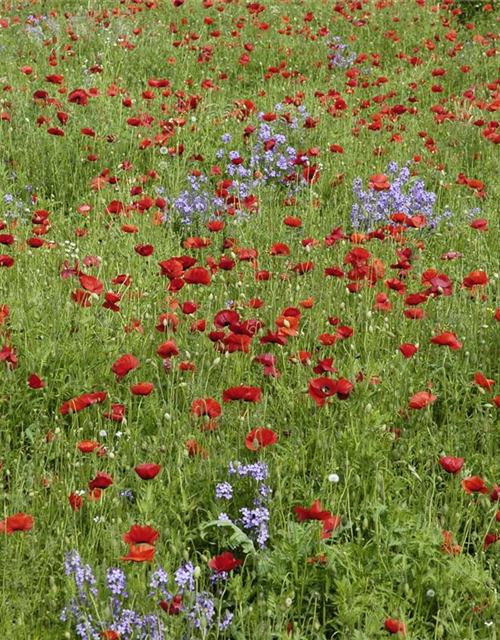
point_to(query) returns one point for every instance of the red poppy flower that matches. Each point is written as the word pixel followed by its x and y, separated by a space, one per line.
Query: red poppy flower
pixel 101 481
pixel 144 250
pixel 480 224
pixel 395 626
pixel 91 284
pixel 196 243
pixel 206 407
pixel 172 268
pixel 275 337
pixel 94 495
pixel 451 255
pixel 379 182
pixel 311 174
pixel 224 563
pixel 194 449
pixel 329 526
pixel 440 283
pixel 140 535
pixel 167 321
pixel 483 382
pixel 5 312
pixel 475 279
pixel 269 361
pixel 87 446
pixel 6 239
pixel 303 267
pixel 226 318
pixel 197 275
pixel 75 501
pixel 142 388
pixel 279 249
pixel 448 546
pixel 292 222
pixel 168 349
pixel 495 493
pixel 247 394
pixel 19 522
pixel 109 634
pixel 8 354
pixel 489 539
pixel 312 513
pixel 215 225
pixel 408 350
pixel 81 298
pixel 421 400
pixel 172 608
pixel 35 382
pixel 117 413
pixel 139 553
pixel 86 400
pixel 148 470
pixel 56 131
pixel 324 365
pixel 414 314
pixel 6 261
pixel 451 464
pixel 78 96
pixel 259 438
pixel 123 365
pixel 308 303
pixel 344 388
pixel 474 484
pixel 447 339
pixel 322 388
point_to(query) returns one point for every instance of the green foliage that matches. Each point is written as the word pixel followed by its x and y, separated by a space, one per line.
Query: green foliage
pixel 369 459
pixel 472 11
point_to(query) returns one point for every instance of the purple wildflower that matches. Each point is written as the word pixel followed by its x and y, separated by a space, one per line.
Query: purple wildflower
pixel 224 490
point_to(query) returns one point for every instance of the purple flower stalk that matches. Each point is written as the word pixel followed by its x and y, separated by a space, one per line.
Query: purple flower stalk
pixel 373 208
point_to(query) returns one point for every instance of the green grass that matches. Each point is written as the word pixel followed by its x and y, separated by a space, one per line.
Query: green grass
pixel 386 558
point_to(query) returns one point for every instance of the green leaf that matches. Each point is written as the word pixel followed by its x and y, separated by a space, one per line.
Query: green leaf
pixel 238 538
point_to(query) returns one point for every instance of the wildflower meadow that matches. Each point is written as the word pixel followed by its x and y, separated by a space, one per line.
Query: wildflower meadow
pixel 249 319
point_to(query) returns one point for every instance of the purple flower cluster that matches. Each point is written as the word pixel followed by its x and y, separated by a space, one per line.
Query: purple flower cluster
pixel 159 582
pixel 338 55
pixel 373 208
pixel 195 203
pixel 271 162
pixel 254 520
pixel 184 577
pixel 256 470
pixel 124 621
pixel 93 613
pixel 224 490
pixel 273 156
pixel 198 608
pixel 19 205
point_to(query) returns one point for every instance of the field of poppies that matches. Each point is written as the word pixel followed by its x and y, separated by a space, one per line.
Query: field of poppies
pixel 249 319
